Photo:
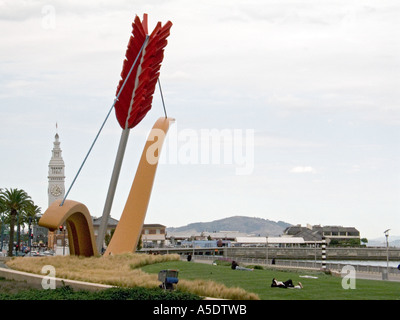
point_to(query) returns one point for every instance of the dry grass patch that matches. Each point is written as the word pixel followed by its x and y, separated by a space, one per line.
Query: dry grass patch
pixel 208 288
pixel 124 271
pixel 119 270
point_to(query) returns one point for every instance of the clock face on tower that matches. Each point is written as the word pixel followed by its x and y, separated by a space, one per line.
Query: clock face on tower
pixel 56 190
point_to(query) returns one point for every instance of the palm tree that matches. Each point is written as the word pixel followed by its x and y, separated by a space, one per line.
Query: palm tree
pixel 31 217
pixel 31 214
pixel 14 200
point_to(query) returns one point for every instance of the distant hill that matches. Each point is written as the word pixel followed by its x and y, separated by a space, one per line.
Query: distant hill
pixel 256 226
pixel 394 241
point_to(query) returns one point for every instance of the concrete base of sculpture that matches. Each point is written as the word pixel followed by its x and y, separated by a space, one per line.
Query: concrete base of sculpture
pixel 126 235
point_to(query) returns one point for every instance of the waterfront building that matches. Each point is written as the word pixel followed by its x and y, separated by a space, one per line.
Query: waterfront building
pixel 333 234
pixel 153 235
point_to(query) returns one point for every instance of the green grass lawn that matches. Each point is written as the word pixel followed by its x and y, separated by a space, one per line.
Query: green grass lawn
pixel 326 287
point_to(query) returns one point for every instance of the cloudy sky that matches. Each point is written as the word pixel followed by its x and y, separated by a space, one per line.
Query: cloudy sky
pixel 301 98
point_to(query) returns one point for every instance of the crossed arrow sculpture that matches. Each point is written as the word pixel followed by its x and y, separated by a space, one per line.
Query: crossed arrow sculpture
pixel 134 96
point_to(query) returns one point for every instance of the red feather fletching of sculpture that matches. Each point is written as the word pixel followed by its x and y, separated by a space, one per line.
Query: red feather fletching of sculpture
pixel 136 95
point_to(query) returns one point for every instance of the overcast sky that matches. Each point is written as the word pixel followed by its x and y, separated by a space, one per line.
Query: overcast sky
pixel 305 93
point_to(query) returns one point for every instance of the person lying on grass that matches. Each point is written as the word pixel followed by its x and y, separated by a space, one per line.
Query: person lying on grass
pixel 235 266
pixel 286 284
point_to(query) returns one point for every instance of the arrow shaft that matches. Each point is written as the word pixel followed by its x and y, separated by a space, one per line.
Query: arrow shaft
pixel 111 189
pixel 119 158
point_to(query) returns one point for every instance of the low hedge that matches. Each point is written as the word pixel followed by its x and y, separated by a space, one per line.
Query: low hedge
pixel 67 293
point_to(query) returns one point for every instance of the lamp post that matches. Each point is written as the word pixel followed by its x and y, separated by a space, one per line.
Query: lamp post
pixel 315 253
pixel 2 232
pixel 64 241
pixel 386 232
pixel 62 230
pixel 18 236
pixel 30 235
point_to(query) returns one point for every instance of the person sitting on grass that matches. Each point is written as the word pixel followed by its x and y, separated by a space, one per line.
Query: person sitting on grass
pixel 286 284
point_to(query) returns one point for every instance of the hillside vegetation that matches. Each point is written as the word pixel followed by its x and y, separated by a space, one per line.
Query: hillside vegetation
pixel 249 225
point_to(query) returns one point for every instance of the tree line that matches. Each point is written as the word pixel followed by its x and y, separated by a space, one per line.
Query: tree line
pixel 16 208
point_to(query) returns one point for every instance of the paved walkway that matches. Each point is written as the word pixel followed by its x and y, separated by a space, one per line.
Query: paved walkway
pixel 376 276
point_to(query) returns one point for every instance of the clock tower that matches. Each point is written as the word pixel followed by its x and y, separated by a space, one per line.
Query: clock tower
pixel 56 176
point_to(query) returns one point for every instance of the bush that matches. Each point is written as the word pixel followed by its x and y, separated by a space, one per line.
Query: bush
pixel 67 293
pixel 255 267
